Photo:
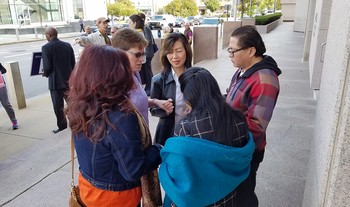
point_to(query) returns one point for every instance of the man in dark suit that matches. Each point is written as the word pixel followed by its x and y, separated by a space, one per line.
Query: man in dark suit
pixel 58 61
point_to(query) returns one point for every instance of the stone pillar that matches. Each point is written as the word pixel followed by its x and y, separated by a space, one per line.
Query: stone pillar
pixel 205 43
pixel 319 38
pixel 229 26
pixel 14 85
pixel 308 32
pixel 328 182
pixel 288 10
pixel 300 15
pixel 248 21
pixel 156 63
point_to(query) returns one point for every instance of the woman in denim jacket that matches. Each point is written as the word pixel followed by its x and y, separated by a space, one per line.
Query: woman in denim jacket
pixel 113 153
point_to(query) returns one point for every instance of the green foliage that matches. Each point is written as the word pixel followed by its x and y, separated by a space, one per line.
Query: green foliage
pixel 212 5
pixel 121 8
pixel 181 8
pixel 266 19
pixel 257 5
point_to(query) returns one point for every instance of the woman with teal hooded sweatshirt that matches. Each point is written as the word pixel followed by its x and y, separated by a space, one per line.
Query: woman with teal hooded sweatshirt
pixel 211 152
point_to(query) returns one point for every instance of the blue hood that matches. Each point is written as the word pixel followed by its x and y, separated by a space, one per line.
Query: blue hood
pixel 197 172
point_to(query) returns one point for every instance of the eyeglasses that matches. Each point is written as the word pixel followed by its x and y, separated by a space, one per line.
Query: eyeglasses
pixel 232 52
pixel 137 55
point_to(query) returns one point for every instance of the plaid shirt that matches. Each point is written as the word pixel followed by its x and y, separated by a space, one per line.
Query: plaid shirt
pixel 255 94
pixel 202 127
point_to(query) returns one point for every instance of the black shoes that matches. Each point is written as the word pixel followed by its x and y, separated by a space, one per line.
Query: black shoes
pixel 55 131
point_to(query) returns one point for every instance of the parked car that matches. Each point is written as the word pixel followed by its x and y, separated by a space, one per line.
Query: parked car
pixel 159 21
pixel 192 20
pixel 211 21
pixel 179 22
pixel 214 22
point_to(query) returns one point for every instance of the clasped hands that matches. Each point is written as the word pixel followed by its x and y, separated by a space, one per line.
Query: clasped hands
pixel 166 105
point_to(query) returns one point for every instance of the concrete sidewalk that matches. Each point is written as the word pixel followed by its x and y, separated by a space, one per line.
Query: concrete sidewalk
pixel 35 164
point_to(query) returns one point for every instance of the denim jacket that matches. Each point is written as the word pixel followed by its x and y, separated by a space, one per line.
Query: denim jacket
pixel 118 160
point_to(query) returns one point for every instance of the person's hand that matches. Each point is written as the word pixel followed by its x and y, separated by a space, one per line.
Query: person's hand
pixel 166 105
pixel 78 41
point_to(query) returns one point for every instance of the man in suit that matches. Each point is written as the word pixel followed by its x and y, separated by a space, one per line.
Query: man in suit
pixel 58 61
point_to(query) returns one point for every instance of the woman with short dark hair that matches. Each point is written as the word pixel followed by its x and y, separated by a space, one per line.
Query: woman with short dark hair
pixel 176 57
pixel 111 139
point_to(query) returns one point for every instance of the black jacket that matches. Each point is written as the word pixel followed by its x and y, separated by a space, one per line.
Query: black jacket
pixel 58 62
pixel 163 88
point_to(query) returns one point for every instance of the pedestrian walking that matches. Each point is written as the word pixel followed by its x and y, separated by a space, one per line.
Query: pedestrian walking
pixel 81 23
pixel 58 63
pixel 5 100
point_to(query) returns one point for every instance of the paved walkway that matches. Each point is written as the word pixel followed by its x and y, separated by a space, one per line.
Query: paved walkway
pixel 35 164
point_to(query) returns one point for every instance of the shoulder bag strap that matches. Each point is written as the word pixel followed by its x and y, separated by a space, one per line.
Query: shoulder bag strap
pixel 72 157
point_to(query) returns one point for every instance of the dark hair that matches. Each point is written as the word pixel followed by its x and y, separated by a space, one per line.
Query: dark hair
pixel 140 23
pixel 248 36
pixel 142 15
pixel 127 38
pixel 99 84
pixel 168 46
pixel 202 91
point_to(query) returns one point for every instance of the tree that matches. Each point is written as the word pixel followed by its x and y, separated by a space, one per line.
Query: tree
pixel 182 8
pixel 121 8
pixel 212 5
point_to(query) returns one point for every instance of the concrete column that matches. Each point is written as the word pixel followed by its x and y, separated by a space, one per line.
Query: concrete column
pixel 319 37
pixel 288 10
pixel 308 32
pixel 156 63
pixel 248 21
pixel 229 26
pixel 205 43
pixel 14 85
pixel 328 182
pixel 300 15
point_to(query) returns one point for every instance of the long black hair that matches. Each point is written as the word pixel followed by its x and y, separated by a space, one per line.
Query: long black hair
pixel 202 92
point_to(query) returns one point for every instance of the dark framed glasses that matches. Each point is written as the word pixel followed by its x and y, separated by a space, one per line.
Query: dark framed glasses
pixel 232 52
pixel 138 54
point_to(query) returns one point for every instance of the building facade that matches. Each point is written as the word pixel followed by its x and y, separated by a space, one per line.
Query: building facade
pixel 25 12
pixel 326 25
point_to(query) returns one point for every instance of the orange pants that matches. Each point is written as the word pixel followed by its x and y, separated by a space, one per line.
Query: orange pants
pixel 92 196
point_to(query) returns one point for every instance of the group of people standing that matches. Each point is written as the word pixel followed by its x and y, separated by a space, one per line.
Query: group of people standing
pixel 207 145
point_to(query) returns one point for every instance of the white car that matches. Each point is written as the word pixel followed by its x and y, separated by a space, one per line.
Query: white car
pixel 159 21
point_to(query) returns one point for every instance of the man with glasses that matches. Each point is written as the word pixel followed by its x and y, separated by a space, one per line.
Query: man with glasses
pixel 253 90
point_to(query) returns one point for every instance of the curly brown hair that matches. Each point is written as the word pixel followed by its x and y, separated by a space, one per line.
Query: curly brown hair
pixel 99 84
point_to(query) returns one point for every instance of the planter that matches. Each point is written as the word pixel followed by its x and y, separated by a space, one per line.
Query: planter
pixel 264 29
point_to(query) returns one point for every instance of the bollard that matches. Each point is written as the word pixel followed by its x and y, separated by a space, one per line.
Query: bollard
pixel 17 34
pixel 14 85
pixel 36 32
